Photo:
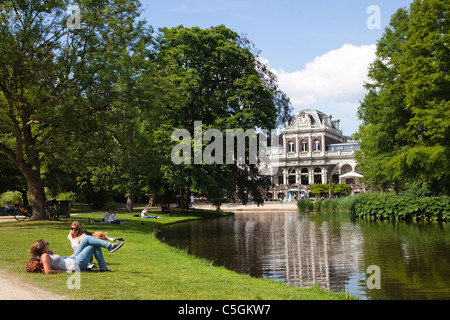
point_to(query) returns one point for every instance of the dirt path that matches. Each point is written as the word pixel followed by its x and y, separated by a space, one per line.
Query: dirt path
pixel 12 288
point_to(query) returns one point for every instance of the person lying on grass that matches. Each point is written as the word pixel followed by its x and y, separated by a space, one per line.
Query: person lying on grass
pixel 53 263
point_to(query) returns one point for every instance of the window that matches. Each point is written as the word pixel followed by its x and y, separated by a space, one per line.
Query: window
pixel 291 146
pixel 291 180
pixel 317 145
pixel 317 176
pixel 304 146
pixel 280 180
pixel 304 177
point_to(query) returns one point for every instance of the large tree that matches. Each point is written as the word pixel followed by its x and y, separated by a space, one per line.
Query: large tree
pixel 61 89
pixel 405 131
pixel 222 84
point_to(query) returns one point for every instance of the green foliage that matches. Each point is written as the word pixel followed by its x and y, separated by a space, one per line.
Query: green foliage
pixel 318 204
pixel 403 208
pixel 329 204
pixel 406 112
pixel 340 189
pixel 320 189
pixel 223 85
pixel 11 197
pixel 91 110
pixel 70 99
pixel 305 205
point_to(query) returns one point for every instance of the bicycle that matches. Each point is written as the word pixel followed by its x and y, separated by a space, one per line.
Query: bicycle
pixel 21 213
pixel 53 212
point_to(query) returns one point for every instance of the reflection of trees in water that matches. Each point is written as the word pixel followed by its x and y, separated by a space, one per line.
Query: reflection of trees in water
pixel 327 250
pixel 300 252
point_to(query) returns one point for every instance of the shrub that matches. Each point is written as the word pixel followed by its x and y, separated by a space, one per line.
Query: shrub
pixel 11 197
pixel 305 205
pixel 403 208
pixel 330 204
pixel 341 189
pixel 318 204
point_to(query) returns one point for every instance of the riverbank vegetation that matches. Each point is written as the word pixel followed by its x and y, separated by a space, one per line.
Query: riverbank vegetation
pixel 385 206
pixel 144 268
pixel 403 208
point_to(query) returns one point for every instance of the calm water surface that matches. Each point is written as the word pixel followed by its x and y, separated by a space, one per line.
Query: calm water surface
pixel 325 249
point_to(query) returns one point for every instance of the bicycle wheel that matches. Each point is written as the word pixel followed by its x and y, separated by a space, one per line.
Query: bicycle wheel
pixel 49 213
pixel 52 214
pixel 20 215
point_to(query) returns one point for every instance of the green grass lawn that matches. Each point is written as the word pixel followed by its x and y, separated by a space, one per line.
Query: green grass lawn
pixel 144 268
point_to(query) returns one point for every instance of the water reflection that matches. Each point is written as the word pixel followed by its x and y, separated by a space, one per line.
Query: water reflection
pixel 301 254
pixel 324 249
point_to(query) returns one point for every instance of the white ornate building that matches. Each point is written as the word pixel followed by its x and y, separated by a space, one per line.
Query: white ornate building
pixel 312 150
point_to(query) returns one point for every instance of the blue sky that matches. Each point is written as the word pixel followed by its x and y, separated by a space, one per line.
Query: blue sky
pixel 320 50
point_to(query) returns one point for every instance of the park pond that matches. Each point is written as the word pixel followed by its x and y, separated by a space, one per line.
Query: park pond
pixel 370 260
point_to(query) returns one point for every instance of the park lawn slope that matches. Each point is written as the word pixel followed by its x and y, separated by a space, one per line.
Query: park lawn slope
pixel 144 268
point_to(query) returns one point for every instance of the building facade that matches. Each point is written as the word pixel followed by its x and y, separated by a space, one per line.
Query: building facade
pixel 312 150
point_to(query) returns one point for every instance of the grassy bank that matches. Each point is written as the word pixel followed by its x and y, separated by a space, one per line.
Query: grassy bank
pixel 144 268
pixel 385 206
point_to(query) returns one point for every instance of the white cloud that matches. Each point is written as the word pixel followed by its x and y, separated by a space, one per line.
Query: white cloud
pixel 332 83
pixel 337 76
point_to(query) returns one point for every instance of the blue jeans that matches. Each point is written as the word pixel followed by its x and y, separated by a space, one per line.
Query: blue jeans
pixel 90 246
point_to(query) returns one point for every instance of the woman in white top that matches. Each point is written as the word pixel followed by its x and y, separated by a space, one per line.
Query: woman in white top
pixel 75 236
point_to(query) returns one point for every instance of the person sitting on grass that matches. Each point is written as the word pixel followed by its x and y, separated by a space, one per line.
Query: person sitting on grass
pixel 165 208
pixel 89 246
pixel 77 234
pixel 110 217
pixel 144 214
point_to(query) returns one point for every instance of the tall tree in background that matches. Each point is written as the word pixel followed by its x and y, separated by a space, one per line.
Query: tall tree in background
pixel 223 85
pixel 406 113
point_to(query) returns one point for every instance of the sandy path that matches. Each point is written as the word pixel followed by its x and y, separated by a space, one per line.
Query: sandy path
pixel 12 288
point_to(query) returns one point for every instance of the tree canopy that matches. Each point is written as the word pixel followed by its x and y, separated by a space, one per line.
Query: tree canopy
pixel 406 112
pixel 92 109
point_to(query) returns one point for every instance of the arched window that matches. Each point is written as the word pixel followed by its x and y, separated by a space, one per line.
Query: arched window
pixel 304 177
pixel 291 146
pixel 317 145
pixel 304 145
pixel 317 176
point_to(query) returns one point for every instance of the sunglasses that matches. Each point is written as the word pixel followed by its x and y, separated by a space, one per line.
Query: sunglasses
pixel 75 228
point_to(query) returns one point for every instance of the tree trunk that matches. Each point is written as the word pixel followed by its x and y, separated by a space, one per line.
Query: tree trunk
pixel 130 203
pixel 37 193
pixel 24 197
pixel 130 195
pixel 185 199
pixel 152 201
